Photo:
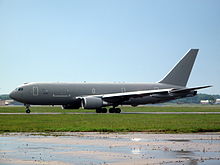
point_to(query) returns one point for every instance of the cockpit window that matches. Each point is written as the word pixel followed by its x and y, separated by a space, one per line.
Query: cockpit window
pixel 20 89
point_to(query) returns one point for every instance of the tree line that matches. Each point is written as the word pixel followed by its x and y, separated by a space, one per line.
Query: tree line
pixel 196 99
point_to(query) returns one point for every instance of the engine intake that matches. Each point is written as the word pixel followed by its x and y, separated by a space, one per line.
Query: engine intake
pixel 92 103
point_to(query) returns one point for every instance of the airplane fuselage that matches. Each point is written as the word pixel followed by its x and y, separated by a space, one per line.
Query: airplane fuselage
pixel 67 93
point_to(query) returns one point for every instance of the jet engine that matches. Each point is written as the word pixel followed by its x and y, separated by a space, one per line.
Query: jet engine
pixel 93 103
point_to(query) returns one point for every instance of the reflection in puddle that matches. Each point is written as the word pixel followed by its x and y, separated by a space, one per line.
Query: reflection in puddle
pixel 179 140
pixel 93 148
pixel 136 151
pixel 184 154
pixel 136 139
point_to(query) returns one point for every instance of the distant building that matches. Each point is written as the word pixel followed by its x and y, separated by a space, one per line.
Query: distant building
pixel 205 102
pixel 2 102
pixel 217 101
pixel 9 102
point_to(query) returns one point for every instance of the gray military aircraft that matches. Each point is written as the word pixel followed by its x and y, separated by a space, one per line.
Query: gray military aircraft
pixel 99 95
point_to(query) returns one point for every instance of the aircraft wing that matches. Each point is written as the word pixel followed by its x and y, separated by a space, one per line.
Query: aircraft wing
pixel 117 97
pixel 124 96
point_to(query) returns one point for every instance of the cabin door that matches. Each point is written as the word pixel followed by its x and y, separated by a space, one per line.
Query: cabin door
pixel 35 91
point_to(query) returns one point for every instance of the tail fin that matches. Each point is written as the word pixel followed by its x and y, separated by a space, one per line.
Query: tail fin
pixel 179 75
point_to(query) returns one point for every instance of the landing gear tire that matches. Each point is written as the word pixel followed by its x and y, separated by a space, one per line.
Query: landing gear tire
pixel 28 111
pixel 112 110
pixel 99 110
pixel 104 110
pixel 117 110
pixel 27 106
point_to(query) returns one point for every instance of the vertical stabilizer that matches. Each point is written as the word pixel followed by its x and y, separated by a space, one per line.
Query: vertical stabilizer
pixel 179 75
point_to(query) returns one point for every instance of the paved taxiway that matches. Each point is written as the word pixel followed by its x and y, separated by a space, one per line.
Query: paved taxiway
pixel 110 148
pixel 57 113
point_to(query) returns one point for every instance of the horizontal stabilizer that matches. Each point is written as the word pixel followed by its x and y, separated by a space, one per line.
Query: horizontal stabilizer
pixel 188 89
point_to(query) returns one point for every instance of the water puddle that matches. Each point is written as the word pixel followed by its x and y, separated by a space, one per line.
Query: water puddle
pixel 95 148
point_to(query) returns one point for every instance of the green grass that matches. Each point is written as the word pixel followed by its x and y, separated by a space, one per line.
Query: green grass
pixel 40 109
pixel 166 123
pixel 199 108
pixel 177 108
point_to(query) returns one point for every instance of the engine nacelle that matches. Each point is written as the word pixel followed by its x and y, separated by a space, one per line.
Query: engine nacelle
pixel 92 103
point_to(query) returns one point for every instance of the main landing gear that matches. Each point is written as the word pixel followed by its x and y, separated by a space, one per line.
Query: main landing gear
pixel 101 110
pixel 114 110
pixel 27 106
pixel 111 110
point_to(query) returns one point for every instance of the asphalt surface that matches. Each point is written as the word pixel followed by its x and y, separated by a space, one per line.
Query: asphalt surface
pixel 57 113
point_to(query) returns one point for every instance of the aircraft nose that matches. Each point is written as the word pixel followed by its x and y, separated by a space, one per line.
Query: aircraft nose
pixel 12 95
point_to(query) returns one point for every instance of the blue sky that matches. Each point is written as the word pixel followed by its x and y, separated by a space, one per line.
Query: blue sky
pixel 107 40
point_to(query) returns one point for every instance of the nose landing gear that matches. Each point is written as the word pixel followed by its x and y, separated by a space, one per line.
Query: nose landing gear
pixel 27 106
